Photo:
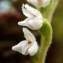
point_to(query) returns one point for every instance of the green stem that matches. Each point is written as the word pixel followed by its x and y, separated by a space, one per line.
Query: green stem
pixel 46 33
pixel 49 10
pixel 46 37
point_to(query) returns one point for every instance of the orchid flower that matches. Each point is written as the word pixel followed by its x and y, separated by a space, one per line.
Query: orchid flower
pixel 28 46
pixel 39 3
pixel 34 18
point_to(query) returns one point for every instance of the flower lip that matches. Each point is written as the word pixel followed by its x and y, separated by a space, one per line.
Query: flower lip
pixel 21 47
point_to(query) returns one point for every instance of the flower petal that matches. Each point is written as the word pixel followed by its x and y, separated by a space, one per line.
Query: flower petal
pixel 21 47
pixel 28 35
pixel 25 11
pixel 33 49
pixel 33 11
pixel 24 22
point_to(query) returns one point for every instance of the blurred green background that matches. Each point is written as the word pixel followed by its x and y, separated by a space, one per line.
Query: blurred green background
pixel 55 53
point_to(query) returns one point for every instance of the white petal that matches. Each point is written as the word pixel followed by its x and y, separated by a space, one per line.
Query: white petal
pixel 26 12
pixel 21 47
pixel 24 22
pixel 33 49
pixel 33 11
pixel 28 35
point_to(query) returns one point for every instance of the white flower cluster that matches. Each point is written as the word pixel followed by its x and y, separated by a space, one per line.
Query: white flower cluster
pixel 34 21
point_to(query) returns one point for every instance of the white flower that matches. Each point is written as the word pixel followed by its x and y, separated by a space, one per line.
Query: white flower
pixel 34 18
pixel 28 46
pixel 39 3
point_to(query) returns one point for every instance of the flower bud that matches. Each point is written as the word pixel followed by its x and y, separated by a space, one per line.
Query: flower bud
pixel 39 3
